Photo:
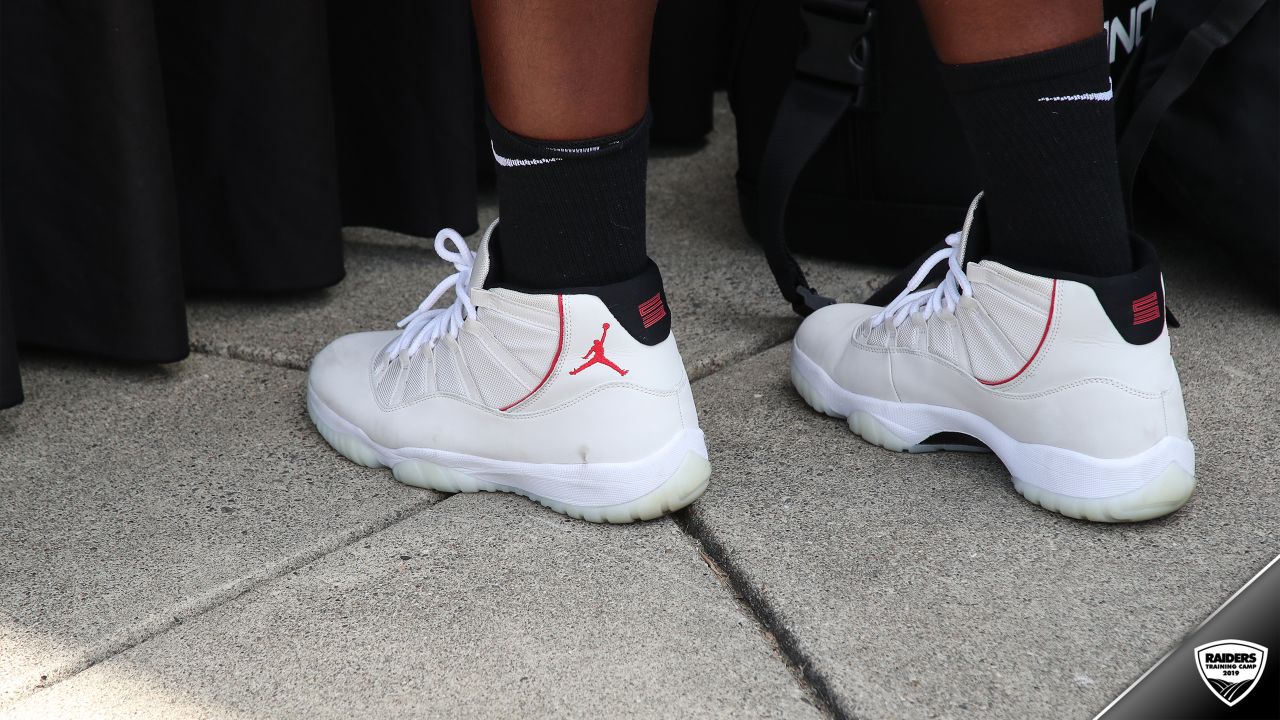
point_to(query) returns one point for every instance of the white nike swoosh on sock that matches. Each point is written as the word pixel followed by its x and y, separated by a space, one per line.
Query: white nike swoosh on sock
pixel 591 149
pixel 514 162
pixel 1094 96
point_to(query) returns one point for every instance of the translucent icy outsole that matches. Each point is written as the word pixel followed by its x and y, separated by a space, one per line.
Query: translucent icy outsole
pixel 1160 495
pixel 681 488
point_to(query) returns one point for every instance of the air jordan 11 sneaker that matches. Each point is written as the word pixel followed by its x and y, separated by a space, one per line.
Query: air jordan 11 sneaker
pixel 577 399
pixel 1067 378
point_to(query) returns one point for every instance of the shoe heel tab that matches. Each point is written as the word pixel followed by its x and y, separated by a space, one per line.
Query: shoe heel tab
pixel 638 304
pixel 1134 302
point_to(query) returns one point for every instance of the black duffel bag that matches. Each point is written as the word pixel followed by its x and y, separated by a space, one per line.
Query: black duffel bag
pixel 1200 109
pixel 847 145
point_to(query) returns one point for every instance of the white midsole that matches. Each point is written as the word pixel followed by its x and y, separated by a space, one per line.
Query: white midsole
pixel 1058 470
pixel 578 484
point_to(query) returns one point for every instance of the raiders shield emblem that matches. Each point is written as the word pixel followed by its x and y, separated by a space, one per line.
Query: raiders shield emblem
pixel 1231 668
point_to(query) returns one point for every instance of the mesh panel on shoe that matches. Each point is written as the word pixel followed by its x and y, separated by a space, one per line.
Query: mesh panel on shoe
pixel 416 385
pixel 448 374
pixel 991 354
pixel 539 310
pixel 861 332
pixel 395 385
pixel 497 384
pixel 386 378
pixel 1034 292
pixel 533 346
pixel 1023 326
pixel 879 336
pixel 912 334
pixel 945 341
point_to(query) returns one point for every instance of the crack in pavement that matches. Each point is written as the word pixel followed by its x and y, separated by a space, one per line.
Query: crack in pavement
pixel 813 682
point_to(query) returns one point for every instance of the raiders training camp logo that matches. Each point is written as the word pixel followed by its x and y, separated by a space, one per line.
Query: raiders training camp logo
pixel 1231 668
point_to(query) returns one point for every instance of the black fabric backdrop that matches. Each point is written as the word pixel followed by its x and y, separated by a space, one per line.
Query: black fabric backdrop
pixel 152 149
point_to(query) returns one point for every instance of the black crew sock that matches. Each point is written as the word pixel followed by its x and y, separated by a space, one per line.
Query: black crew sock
pixel 572 211
pixel 1042 129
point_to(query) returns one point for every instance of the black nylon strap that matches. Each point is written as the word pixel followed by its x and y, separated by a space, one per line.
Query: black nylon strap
pixel 808 112
pixel 894 287
pixel 1221 27
pixel 829 80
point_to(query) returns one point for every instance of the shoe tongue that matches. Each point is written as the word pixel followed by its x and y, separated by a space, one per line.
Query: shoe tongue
pixel 975 238
pixel 480 268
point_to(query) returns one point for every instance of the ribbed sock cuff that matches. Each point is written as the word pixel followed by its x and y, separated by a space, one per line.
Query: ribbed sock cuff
pixel 1077 62
pixel 1042 129
pixel 510 145
pixel 573 211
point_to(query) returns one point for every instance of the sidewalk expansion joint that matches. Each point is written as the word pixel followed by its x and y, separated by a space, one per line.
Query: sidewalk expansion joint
pixel 775 632
pixel 191 608
pixel 698 371
pixel 247 354
pixel 705 369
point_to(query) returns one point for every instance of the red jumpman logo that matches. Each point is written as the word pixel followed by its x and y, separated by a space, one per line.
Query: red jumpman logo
pixel 596 355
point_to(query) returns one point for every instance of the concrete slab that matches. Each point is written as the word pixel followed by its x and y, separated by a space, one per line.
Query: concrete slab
pixel 481 607
pixel 725 305
pixel 924 586
pixel 138 497
pixel 383 284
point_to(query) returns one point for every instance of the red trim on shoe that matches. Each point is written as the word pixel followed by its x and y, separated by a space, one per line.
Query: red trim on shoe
pixel 652 310
pixel 1146 309
pixel 1053 296
pixel 554 359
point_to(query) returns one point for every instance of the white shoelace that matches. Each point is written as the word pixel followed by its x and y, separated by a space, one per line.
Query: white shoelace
pixel 948 293
pixel 427 324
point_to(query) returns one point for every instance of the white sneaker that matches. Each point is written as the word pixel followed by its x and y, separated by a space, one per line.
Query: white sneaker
pixel 577 400
pixel 1068 379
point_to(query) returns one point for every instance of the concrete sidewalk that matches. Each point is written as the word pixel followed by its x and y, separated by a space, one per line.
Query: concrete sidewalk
pixel 179 541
